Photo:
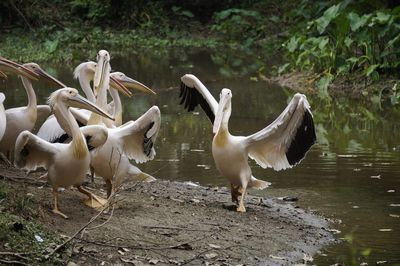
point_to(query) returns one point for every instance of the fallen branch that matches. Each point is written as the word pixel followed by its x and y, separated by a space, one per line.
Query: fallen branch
pixel 13 262
pixel 14 254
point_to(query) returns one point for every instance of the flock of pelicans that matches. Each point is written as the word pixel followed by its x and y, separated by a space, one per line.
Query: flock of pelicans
pixel 87 134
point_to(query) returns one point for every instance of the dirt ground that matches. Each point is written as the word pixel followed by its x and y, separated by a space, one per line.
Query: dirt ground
pixel 175 223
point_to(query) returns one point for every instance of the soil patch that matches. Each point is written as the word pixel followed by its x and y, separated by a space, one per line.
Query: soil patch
pixel 175 223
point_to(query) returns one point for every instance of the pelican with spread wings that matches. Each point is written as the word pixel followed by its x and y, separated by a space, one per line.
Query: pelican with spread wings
pixel 280 145
pixel 66 164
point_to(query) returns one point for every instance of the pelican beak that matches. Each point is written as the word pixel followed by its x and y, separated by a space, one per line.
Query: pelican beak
pixel 136 85
pixel 100 73
pixel 78 101
pixel 223 102
pixel 3 75
pixel 43 74
pixel 8 65
pixel 115 84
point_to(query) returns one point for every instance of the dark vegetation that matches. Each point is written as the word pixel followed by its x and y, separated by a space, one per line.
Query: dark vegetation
pixel 351 41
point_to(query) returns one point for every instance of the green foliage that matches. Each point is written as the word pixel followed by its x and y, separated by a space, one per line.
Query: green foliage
pixel 238 24
pixel 347 39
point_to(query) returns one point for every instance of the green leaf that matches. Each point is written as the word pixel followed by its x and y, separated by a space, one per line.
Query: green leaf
pixel 292 44
pixel 356 21
pixel 283 68
pixel 371 69
pixel 187 13
pixel 348 41
pixel 326 19
pixel 323 43
pixel 51 46
pixel 366 252
pixel 381 17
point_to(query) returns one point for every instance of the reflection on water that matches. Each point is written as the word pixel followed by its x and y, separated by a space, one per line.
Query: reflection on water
pixel 350 175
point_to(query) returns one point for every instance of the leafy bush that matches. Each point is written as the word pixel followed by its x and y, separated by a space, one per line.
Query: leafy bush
pixel 346 40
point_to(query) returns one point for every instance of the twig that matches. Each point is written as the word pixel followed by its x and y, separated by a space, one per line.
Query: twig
pixel 23 180
pixel 162 167
pixel 14 262
pixel 108 219
pixel 80 229
pixel 21 14
pixel 174 228
pixel 18 255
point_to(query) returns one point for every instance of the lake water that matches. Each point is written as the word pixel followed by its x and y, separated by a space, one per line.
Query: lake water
pixel 351 175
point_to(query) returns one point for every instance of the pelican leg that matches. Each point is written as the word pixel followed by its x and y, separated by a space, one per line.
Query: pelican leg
pixel 241 207
pixel 235 193
pixel 5 159
pixel 93 201
pixel 56 210
pixel 109 187
pixel 92 174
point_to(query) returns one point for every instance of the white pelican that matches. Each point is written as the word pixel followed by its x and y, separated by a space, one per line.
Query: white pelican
pixel 132 140
pixel 51 130
pixel 67 164
pixel 24 118
pixel 280 145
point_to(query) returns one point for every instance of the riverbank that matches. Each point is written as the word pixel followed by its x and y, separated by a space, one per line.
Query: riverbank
pixel 169 223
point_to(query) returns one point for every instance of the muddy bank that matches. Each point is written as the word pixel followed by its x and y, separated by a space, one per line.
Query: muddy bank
pixel 174 223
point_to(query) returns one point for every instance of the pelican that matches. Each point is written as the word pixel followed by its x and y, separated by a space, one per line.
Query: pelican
pixel 24 118
pixel 67 164
pixel 132 140
pixel 280 145
pixel 84 72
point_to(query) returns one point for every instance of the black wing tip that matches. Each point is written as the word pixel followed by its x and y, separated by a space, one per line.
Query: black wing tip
pixel 148 142
pixel 305 137
pixel 190 97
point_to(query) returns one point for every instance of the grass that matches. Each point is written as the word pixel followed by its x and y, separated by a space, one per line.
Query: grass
pixel 20 232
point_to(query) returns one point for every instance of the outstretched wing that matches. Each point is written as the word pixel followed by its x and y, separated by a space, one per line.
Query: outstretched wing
pixel 43 111
pixel 193 93
pixel 51 131
pixel 285 142
pixel 136 138
pixel 32 152
pixel 95 135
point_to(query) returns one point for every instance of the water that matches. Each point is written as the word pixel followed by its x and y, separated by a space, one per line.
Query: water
pixel 351 175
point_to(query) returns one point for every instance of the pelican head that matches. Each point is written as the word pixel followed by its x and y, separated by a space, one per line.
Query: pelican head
pixel 130 83
pixel 86 71
pixel 224 110
pixel 102 69
pixel 43 74
pixel 71 98
pixel 10 66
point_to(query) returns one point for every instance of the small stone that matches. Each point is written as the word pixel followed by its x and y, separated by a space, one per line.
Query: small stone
pixel 71 263
pixel 211 255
